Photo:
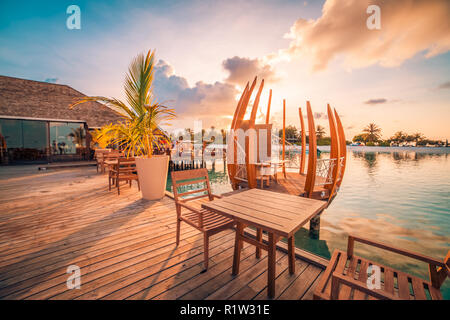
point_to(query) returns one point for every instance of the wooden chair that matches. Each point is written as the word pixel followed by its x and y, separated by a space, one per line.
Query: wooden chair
pixel 342 281
pixel 263 173
pixel 125 170
pixel 206 221
pixel 100 158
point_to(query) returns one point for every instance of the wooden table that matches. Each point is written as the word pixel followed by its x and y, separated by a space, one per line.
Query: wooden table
pixel 281 215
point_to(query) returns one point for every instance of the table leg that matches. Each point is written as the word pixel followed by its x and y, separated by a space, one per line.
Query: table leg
pixel 259 239
pixel 271 266
pixel 291 253
pixel 237 247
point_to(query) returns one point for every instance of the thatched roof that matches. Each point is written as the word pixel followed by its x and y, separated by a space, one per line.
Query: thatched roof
pixel 35 99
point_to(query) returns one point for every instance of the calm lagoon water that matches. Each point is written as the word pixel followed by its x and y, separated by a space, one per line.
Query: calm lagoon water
pixel 400 196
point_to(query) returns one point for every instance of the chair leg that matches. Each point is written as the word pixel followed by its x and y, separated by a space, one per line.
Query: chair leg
pixel 109 183
pixel 259 239
pixel 206 249
pixel 139 186
pixel 178 231
pixel 291 254
pixel 118 187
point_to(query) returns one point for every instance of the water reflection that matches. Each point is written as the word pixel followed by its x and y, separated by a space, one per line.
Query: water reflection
pixel 318 246
pixel 369 159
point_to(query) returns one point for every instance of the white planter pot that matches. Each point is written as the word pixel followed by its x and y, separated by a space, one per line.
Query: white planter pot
pixel 152 174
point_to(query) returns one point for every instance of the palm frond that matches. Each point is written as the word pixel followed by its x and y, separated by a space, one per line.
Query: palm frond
pixel 141 131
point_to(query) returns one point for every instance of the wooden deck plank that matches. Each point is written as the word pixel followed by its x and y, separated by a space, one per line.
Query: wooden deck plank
pixel 301 284
pixel 284 278
pixel 244 278
pixel 124 246
pixel 156 284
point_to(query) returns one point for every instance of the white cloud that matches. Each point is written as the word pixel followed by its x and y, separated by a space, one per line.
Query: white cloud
pixel 408 27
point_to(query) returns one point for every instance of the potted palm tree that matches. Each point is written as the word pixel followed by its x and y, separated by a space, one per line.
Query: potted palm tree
pixel 140 132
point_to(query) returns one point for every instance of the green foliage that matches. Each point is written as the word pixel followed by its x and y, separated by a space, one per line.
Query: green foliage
pixel 326 141
pixel 360 138
pixel 292 135
pixel 320 132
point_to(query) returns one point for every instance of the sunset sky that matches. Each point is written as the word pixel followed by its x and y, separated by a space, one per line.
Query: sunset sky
pixel 397 77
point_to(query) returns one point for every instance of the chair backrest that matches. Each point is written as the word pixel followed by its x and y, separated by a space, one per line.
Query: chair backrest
pixel 100 154
pixel 312 153
pixel 113 154
pixel 125 165
pixel 182 179
pixel 100 157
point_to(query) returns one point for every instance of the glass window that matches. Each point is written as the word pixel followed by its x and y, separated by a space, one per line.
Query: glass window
pixel 34 135
pixel 11 133
pixel 67 138
pixel 23 140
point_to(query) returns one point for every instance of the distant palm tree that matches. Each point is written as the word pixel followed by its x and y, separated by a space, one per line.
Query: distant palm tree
pixel 373 132
pixel 417 137
pixel 78 135
pixel 320 132
pixel 399 137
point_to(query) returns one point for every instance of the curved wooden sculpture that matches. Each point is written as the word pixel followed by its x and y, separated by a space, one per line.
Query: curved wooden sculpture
pixel 312 153
pixel 236 124
pixel 323 177
pixel 343 148
pixel 303 142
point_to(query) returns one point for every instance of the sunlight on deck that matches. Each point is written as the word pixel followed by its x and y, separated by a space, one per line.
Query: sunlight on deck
pixel 124 246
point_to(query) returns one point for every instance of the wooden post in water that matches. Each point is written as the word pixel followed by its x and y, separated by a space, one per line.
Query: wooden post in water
pixel 314 227
pixel 284 136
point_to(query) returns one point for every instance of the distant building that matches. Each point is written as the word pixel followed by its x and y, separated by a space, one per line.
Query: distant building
pixel 37 125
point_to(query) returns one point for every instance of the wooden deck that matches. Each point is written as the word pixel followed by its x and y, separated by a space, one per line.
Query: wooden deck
pixel 124 246
pixel 294 184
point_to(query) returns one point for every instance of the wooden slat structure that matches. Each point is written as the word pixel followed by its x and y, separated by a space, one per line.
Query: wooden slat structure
pixel 346 276
pixel 125 246
pixel 323 177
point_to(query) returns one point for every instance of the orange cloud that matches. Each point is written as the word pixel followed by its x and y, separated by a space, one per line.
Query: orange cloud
pixel 408 27
pixel 242 70
pixel 211 103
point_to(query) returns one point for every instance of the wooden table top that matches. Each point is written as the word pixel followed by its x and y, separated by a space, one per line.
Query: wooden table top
pixel 275 212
